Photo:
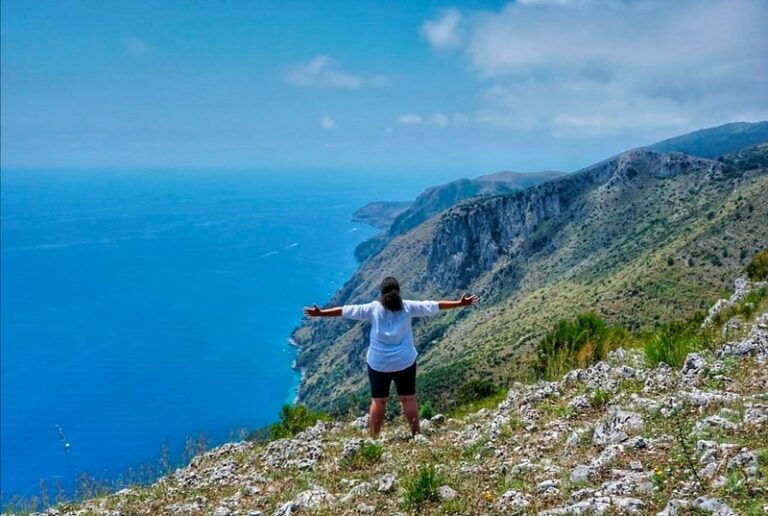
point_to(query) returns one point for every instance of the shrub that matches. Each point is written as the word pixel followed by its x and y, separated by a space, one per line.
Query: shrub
pixel 672 343
pixel 476 390
pixel 470 407
pixel 369 453
pixel 576 344
pixel 757 270
pixel 422 487
pixel 426 411
pixel 295 419
pixel 600 398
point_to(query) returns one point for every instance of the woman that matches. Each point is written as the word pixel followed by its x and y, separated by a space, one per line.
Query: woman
pixel 391 354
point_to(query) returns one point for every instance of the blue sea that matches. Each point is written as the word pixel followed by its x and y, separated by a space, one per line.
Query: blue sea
pixel 145 305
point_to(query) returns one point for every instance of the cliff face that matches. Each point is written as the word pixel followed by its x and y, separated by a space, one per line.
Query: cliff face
pixel 471 239
pixel 639 238
pixel 439 198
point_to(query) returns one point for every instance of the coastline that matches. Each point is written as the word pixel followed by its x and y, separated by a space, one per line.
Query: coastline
pixel 299 373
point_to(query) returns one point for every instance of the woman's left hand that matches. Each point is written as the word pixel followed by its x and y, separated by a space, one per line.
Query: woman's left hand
pixel 468 299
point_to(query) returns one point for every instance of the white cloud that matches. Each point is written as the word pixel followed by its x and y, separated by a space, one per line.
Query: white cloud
pixel 439 119
pixel 322 71
pixel 443 32
pixel 135 46
pixel 409 119
pixel 579 67
pixel 327 122
pixel 460 119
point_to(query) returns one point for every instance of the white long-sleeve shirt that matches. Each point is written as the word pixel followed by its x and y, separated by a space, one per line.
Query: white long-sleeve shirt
pixel 391 346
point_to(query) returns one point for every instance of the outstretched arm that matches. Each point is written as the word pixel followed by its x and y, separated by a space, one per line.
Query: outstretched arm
pixel 316 311
pixel 465 300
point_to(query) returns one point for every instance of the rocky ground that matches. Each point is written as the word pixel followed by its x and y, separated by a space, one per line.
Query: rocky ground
pixel 616 438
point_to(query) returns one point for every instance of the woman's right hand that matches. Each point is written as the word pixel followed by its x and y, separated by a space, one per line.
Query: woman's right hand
pixel 315 311
pixel 468 299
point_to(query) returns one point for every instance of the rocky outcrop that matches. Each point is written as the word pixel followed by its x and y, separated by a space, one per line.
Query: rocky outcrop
pixel 439 198
pixel 666 443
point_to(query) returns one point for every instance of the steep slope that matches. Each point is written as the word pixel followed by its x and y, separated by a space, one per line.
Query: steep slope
pixel 439 198
pixel 617 437
pixel 639 238
pixel 716 141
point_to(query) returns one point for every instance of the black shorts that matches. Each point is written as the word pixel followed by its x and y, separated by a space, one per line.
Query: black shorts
pixel 405 382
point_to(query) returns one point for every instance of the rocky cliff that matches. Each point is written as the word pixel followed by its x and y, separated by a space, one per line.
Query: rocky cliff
pixel 441 197
pixel 438 198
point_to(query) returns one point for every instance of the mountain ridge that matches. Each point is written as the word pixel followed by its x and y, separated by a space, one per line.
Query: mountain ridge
pixel 639 211
pixel 715 141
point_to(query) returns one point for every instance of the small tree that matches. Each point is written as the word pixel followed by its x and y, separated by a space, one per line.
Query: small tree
pixel 757 270
pixel 295 419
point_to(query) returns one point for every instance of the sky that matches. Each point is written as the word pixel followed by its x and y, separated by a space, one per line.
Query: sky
pixel 365 85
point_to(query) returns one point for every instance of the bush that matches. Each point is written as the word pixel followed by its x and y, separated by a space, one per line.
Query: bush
pixel 757 270
pixel 476 390
pixel 600 398
pixel 295 419
pixel 422 487
pixel 369 453
pixel 576 344
pixel 672 343
pixel 426 411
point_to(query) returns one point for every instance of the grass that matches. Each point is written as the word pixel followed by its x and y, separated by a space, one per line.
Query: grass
pixel 488 402
pixel 671 344
pixel 426 411
pixel 369 453
pixel 576 343
pixel 600 398
pixel 422 487
pixel 749 306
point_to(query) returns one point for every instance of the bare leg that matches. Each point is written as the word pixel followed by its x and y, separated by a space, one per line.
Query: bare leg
pixel 411 412
pixel 376 419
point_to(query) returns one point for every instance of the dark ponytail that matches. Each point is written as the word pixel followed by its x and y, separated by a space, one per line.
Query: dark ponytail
pixel 390 294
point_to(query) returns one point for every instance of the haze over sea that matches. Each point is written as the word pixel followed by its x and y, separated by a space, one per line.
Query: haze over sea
pixel 139 305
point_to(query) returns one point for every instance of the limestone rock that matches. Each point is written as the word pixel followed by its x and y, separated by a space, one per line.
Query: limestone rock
pixel 617 427
pixel 387 483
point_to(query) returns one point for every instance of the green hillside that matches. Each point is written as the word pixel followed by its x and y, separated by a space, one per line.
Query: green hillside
pixel 639 239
